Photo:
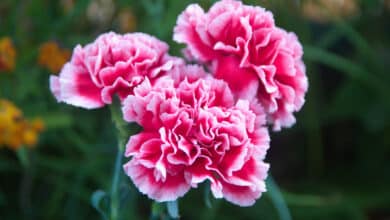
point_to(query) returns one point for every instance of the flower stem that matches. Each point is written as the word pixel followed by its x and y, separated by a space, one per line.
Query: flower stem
pixel 26 181
pixel 123 134
pixel 115 185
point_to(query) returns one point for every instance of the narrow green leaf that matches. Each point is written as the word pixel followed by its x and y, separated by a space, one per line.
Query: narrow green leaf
pixel 206 196
pixel 96 200
pixel 157 210
pixel 173 209
pixel 277 199
pixel 349 68
pixel 23 156
pixel 57 120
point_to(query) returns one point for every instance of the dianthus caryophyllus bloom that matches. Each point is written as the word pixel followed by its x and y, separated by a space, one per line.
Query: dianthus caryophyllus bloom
pixel 112 64
pixel 242 46
pixel 193 132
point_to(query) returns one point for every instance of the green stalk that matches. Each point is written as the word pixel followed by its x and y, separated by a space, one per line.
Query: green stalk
pixel 26 181
pixel 123 134
pixel 115 185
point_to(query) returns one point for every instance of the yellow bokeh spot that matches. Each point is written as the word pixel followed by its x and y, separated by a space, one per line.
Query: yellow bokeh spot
pixel 30 137
pixel 15 130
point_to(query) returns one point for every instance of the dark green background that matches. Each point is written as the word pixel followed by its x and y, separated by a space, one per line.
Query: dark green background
pixel 333 164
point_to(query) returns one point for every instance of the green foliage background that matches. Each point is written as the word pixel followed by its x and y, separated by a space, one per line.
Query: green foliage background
pixel 333 164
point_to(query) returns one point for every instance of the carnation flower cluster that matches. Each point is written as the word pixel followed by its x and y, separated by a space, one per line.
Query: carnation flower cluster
pixel 202 122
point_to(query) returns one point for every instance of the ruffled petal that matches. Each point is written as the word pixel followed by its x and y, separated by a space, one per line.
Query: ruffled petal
pixel 242 46
pixel 75 87
pixel 172 188
pixel 112 64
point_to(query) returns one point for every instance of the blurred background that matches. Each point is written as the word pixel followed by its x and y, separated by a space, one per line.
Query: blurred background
pixel 333 164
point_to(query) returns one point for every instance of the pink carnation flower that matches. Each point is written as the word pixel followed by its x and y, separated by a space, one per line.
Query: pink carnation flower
pixel 194 132
pixel 112 64
pixel 242 46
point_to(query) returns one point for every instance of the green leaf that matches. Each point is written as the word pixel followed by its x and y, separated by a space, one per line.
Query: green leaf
pixel 173 209
pixel 349 68
pixel 23 156
pixel 157 211
pixel 97 199
pixel 57 120
pixel 277 199
pixel 206 196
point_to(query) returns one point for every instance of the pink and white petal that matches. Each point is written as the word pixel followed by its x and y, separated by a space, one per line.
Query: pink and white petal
pixel 242 81
pixel 247 184
pixel 190 73
pixel 287 93
pixel 233 160
pixel 240 195
pixel 169 63
pixel 191 29
pixel 282 118
pixel 162 191
pixel 149 155
pixel 55 87
pixel 260 140
pixel 137 108
pixel 198 172
pixel 257 108
pixel 121 87
pixel 254 171
pixel 75 87
pixel 284 64
pixel 134 145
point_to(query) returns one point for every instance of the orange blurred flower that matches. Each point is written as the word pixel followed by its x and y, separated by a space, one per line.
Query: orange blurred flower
pixel 7 54
pixel 15 130
pixel 127 20
pixel 52 56
pixel 325 10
